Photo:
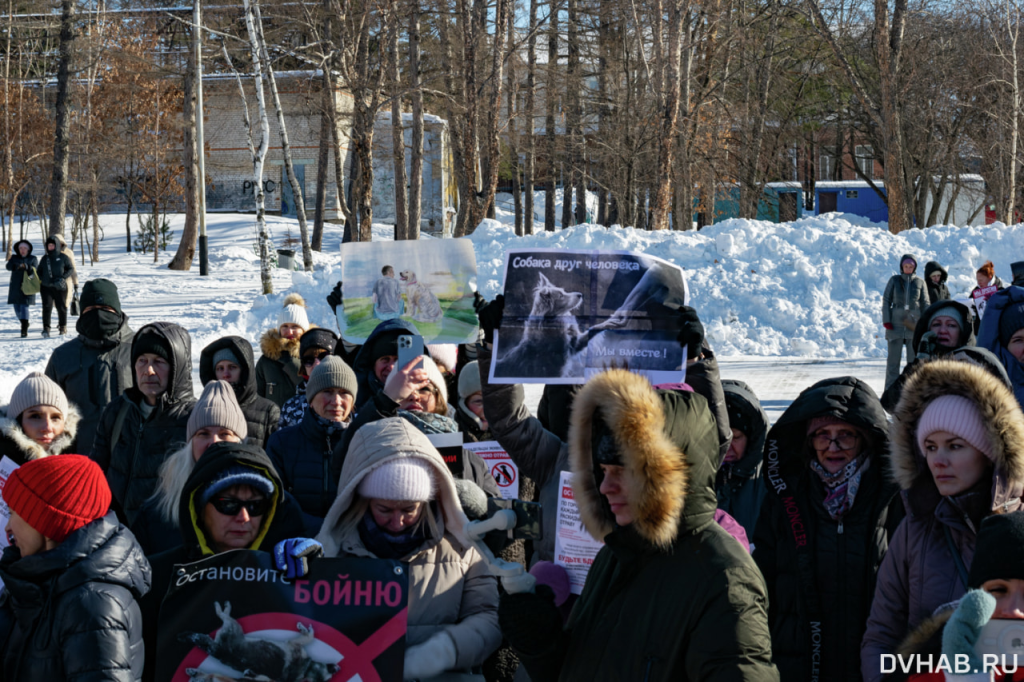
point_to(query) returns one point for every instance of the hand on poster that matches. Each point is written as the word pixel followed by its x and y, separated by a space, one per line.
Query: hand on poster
pixel 233 617
pixel 429 284
pixel 292 556
pixel 691 331
pixel 430 658
pixel 490 317
pixel 335 298
pixel 570 314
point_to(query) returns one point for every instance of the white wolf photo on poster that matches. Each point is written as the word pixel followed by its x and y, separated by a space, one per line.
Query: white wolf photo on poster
pixel 568 314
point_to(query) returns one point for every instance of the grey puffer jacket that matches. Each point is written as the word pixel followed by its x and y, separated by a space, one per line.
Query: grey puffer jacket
pixel 92 373
pixel 739 485
pixel 905 296
pixel 132 461
pixel 71 613
pixel 451 590
pixel 920 573
pixel 261 414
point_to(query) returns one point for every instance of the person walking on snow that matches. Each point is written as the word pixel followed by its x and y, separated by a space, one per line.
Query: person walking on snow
pixel 20 264
pixel 55 270
pixel 903 303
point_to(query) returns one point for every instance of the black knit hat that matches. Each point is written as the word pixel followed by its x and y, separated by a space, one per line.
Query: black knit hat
pixel 385 343
pixel 148 341
pixel 999 550
pixel 317 337
pixel 100 292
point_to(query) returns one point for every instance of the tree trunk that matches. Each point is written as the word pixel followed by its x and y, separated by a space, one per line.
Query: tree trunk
pixel 62 133
pixel 550 89
pixel 416 162
pixel 398 131
pixel 323 160
pixel 190 157
pixel 513 135
pixel 529 168
pixel 750 187
pixel 259 154
pixel 669 120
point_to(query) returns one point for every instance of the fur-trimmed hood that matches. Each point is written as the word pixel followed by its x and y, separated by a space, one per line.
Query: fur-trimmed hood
pixel 669 446
pixel 1000 413
pixel 275 346
pixel 29 449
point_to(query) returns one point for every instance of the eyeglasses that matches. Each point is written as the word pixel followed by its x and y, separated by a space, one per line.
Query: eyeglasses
pixel 313 359
pixel 844 441
pixel 231 506
pixel 426 391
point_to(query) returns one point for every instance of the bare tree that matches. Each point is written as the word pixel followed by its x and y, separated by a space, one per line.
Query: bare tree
pixel 62 134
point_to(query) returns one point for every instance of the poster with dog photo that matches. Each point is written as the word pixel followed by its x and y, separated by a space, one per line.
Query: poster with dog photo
pixel 234 617
pixel 428 283
pixel 571 314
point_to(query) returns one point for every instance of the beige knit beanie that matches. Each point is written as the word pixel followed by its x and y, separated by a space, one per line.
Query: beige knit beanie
pixel 36 389
pixel 218 406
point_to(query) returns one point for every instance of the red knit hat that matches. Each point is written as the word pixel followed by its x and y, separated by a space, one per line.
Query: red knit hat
pixel 57 495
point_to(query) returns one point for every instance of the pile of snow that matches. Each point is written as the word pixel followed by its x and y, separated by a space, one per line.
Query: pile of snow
pixel 811 288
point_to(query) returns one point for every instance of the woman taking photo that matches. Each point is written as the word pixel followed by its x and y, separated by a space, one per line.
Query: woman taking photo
pixel 957 454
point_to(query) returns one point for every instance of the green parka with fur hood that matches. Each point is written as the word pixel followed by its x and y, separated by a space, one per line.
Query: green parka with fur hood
pixel 671 596
pixel 14 443
pixel 920 573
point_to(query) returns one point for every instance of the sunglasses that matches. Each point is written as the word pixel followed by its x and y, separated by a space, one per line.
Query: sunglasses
pixel 312 359
pixel 231 506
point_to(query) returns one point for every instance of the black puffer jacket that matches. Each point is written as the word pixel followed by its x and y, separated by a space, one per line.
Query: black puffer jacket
pixel 56 267
pixel 739 485
pixel 936 292
pixel 19 267
pixel 302 456
pixel 92 373
pixel 71 613
pixel 261 415
pixel 822 606
pixel 132 461
pixel 283 521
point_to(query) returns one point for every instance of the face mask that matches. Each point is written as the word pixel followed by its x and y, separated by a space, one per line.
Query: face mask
pixel 98 324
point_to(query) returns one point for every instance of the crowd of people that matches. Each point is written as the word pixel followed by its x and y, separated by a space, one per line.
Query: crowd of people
pixel 852 529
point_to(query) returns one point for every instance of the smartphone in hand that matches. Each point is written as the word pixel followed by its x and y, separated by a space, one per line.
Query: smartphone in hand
pixel 410 346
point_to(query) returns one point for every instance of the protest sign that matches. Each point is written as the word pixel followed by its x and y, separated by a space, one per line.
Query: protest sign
pixel 575 549
pixel 981 297
pixel 429 284
pixel 571 314
pixel 234 617
pixel 501 466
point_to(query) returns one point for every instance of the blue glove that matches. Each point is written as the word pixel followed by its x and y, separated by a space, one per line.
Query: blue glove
pixel 964 627
pixel 292 556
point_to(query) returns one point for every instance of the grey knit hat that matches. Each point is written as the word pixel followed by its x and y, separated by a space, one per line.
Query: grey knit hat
pixel 36 389
pixel 218 406
pixel 225 354
pixel 332 372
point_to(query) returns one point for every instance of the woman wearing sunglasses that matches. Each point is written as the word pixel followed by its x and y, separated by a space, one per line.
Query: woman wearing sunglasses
pixel 233 499
pixel 315 345
pixel 958 455
pixel 825 523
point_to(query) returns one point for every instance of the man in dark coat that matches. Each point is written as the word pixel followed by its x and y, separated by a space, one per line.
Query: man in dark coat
pixel 55 269
pixel 935 277
pixel 821 570
pixel 20 264
pixel 147 422
pixel 376 359
pixel 261 414
pixel 671 595
pixel 738 484
pixel 222 469
pixel 96 366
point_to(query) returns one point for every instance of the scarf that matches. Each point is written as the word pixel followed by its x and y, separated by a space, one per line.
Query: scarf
pixel 428 422
pixel 330 426
pixel 842 486
pixel 385 545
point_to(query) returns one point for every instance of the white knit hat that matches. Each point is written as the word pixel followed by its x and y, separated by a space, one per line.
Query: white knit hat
pixel 409 479
pixel 293 312
pixel 36 389
pixel 434 374
pixel 446 354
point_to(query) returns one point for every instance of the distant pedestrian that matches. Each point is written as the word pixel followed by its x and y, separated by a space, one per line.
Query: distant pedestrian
pixel 903 303
pixel 20 264
pixel 935 277
pixel 55 270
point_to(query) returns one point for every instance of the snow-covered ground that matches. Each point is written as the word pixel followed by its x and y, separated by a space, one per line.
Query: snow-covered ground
pixel 784 305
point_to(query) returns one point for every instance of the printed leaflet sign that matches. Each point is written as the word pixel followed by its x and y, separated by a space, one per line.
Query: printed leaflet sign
pixel 501 466
pixel 575 549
